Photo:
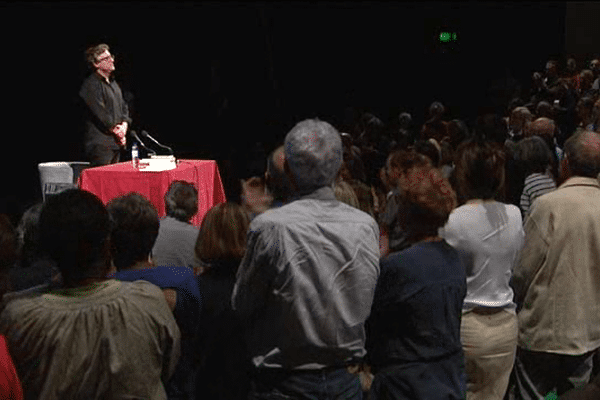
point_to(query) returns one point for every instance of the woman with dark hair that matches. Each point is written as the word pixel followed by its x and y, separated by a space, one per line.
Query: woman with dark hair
pixel 535 159
pixel 95 337
pixel 135 226
pixel 223 365
pixel 489 235
pixel 413 333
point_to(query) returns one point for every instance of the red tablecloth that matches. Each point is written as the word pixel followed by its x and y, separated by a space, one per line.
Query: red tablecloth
pixel 110 181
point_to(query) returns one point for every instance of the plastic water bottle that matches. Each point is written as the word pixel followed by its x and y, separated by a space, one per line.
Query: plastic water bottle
pixel 135 156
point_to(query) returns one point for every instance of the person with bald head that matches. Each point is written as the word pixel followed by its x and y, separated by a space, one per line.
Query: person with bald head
pixel 557 279
pixel 305 286
pixel 547 129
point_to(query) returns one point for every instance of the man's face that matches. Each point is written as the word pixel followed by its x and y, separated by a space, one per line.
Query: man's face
pixel 105 62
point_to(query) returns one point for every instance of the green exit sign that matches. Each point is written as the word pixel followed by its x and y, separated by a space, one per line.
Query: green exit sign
pixel 446 37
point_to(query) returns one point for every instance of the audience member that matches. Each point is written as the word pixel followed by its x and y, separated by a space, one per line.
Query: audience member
pixel 556 279
pixel 276 181
pixel 414 327
pixel 32 268
pixel 305 285
pixel 174 246
pixel 546 129
pixel 399 164
pixel 134 231
pixel 95 338
pixel 362 192
pixel 10 385
pixel 223 362
pixel 516 125
pixel 489 235
pixel 535 160
pixel 435 127
pixel 344 193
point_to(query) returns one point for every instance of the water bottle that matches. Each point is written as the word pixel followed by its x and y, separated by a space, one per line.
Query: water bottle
pixel 135 156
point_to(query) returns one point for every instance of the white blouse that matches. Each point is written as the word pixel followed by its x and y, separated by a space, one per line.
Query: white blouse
pixel 489 236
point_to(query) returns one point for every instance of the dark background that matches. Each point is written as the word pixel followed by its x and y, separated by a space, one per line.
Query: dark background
pixel 208 78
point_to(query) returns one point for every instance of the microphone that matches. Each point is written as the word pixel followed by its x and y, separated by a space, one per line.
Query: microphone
pixel 147 135
pixel 135 135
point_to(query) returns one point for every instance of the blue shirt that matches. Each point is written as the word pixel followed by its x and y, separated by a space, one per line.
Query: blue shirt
pixel 182 279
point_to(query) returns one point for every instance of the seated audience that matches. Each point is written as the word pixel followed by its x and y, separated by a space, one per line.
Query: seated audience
pixel 489 235
pixel 134 231
pixel 414 328
pixel 174 246
pixel 223 363
pixel 95 338
pixel 535 160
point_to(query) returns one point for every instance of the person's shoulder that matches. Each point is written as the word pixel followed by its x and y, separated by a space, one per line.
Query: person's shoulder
pixel 513 211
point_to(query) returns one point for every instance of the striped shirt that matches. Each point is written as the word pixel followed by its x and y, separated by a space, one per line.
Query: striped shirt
pixel 536 185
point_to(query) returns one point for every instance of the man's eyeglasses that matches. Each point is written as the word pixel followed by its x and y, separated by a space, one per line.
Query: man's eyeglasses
pixel 112 57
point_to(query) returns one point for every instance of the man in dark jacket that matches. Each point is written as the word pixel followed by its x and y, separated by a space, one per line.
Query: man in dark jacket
pixel 107 116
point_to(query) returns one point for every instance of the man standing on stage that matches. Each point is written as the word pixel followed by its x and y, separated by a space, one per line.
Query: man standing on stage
pixel 107 116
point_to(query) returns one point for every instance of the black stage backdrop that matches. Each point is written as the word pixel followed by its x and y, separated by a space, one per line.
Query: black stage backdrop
pixel 209 78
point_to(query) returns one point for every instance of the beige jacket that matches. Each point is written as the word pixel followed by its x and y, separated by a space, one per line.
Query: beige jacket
pixel 558 276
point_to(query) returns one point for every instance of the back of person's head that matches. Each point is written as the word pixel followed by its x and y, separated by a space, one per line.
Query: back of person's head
pixel 276 180
pixel 582 153
pixel 544 110
pixel 92 53
pixel 458 132
pixel 344 193
pixel 587 78
pixel 479 170
pixel 431 149
pixel 135 228
pixel 491 127
pixel 222 234
pixel 544 128
pixel 436 110
pixel 313 154
pixel 75 233
pixel 181 201
pixel 518 117
pixel 533 154
pixel 403 160
pixel 404 120
pixel 28 235
pixel 427 200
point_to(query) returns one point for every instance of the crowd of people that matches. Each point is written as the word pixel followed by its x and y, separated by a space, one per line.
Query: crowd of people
pixel 384 262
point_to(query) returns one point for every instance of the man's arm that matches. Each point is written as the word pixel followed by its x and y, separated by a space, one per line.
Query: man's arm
pixel 253 277
pixel 532 255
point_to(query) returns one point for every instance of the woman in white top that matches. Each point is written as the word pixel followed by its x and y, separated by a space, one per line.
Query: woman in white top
pixel 489 235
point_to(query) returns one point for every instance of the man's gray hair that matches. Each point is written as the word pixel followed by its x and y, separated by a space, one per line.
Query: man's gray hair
pixel 313 152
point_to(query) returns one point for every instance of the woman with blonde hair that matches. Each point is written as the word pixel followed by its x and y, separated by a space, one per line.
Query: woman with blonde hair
pixel 222 362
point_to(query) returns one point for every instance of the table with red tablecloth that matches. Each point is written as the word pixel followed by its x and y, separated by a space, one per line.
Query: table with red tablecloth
pixel 110 181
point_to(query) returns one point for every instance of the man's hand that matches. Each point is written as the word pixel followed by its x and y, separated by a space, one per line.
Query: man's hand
pixel 120 131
